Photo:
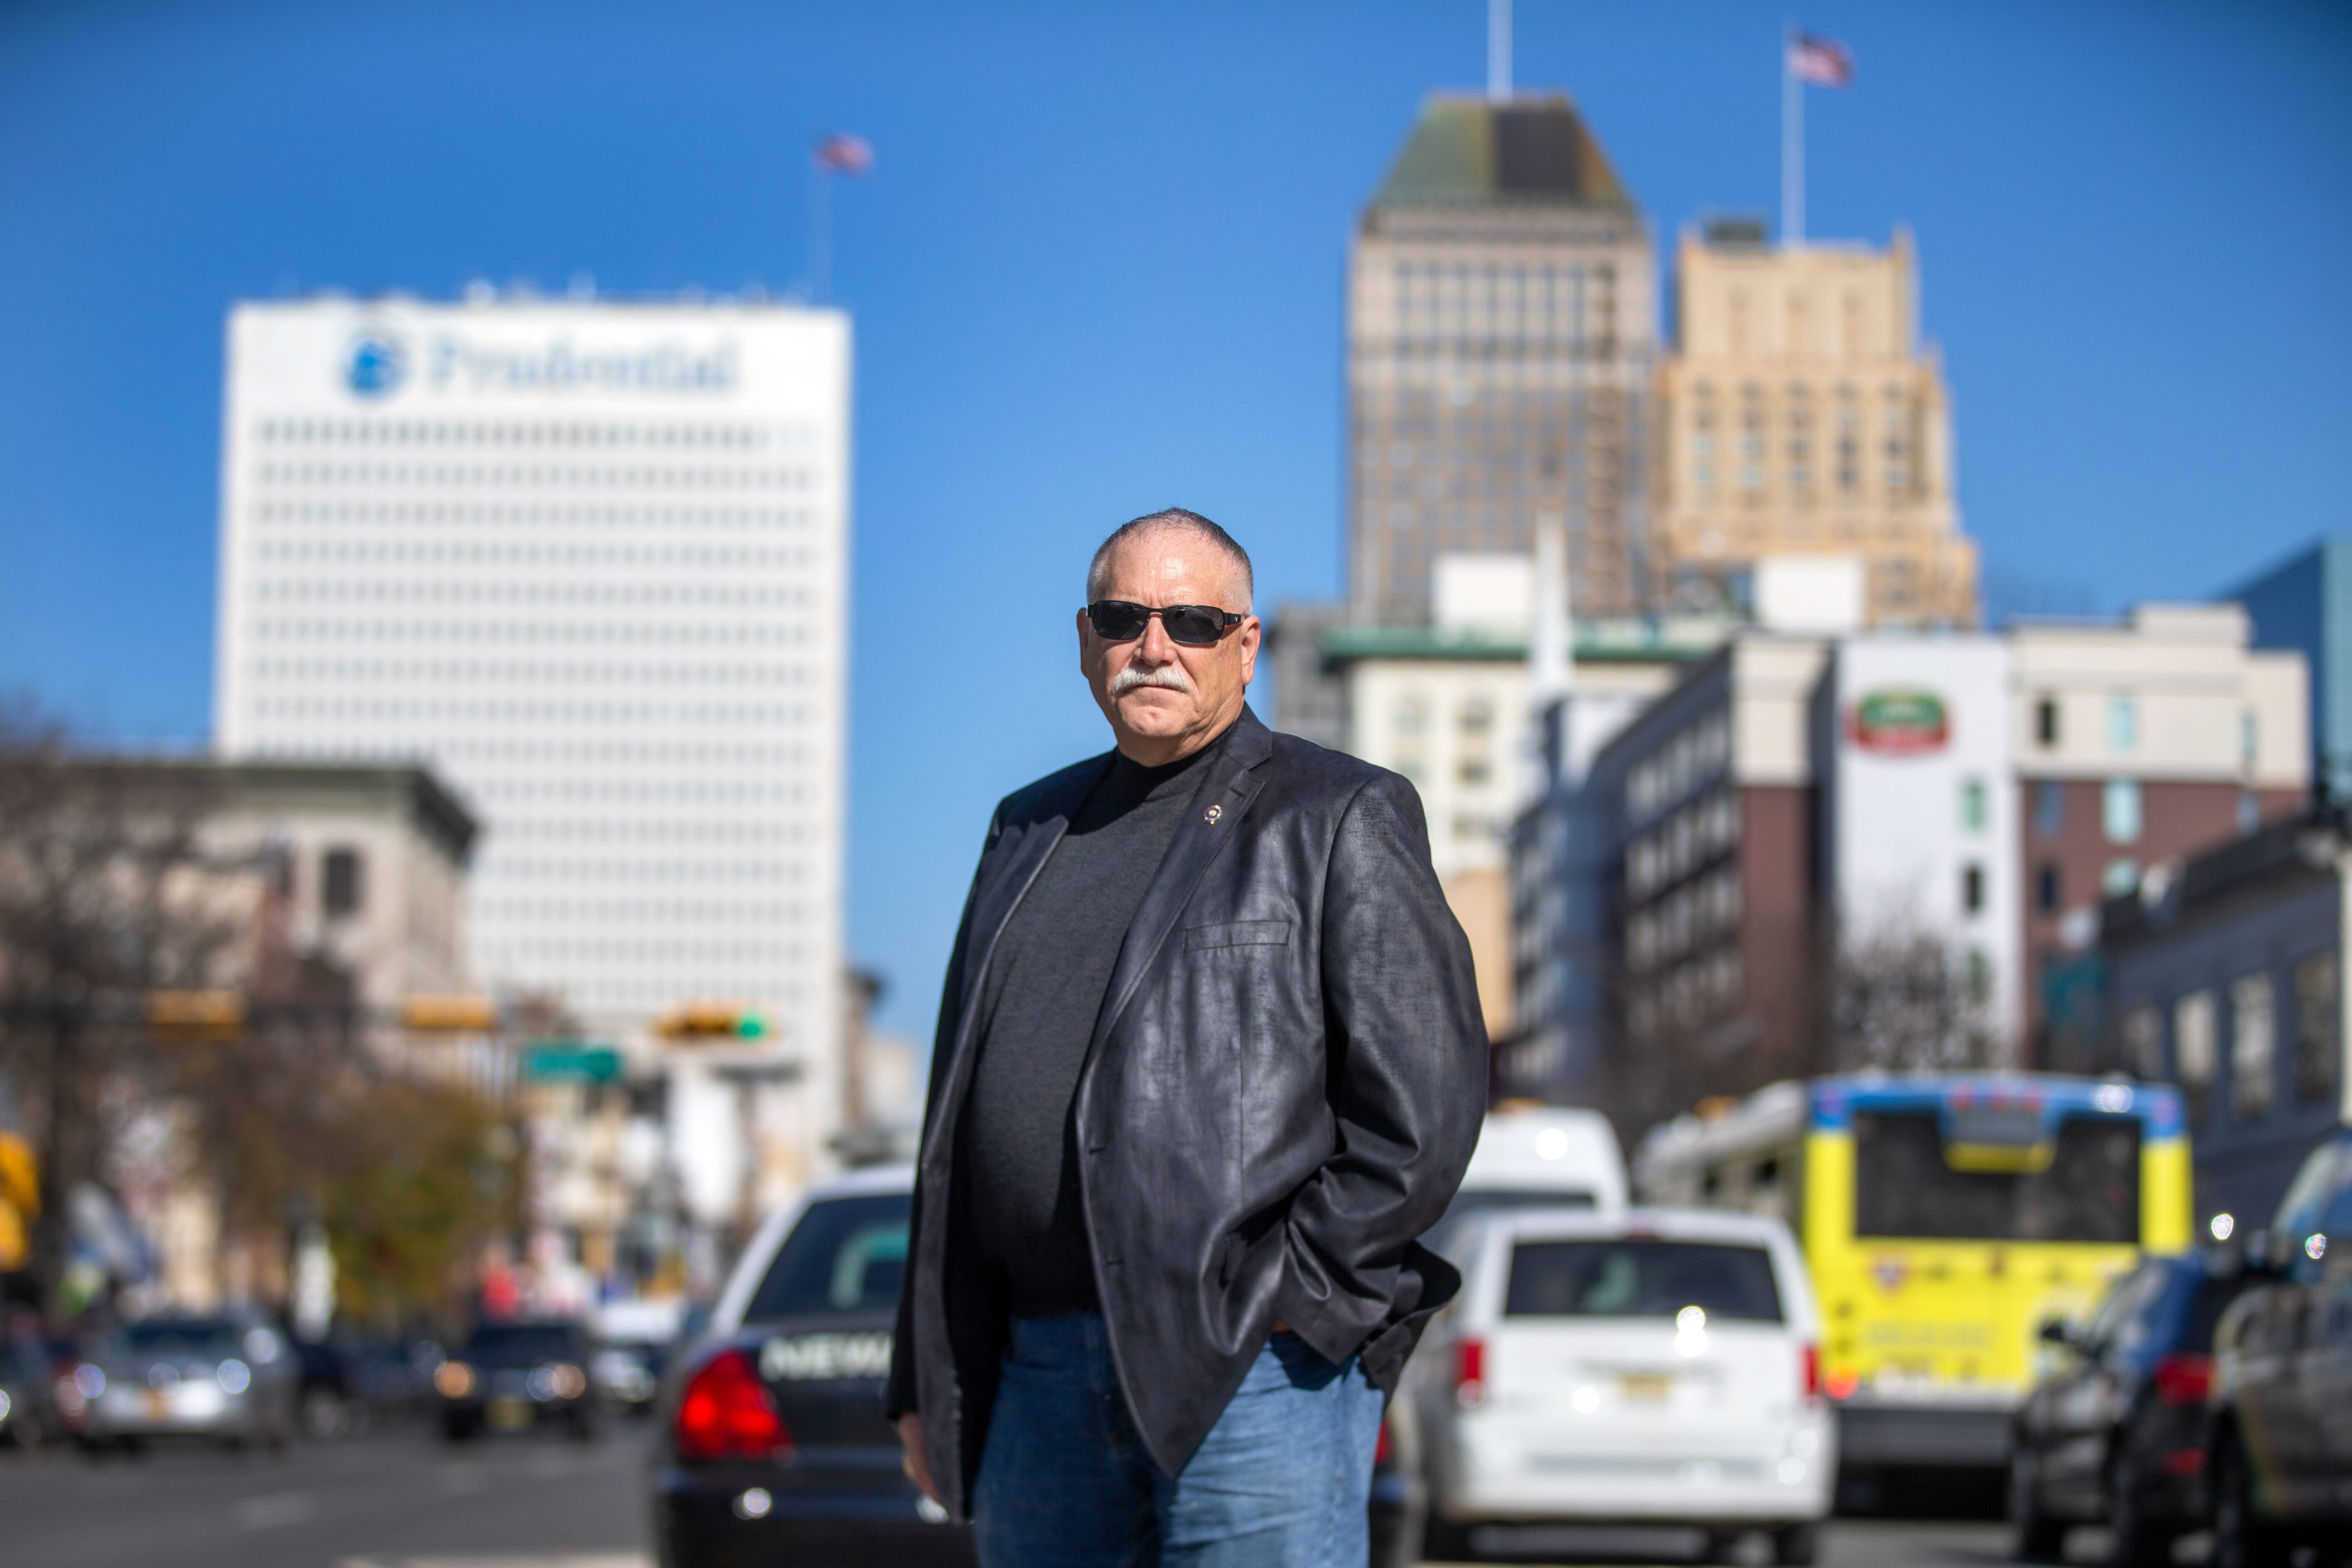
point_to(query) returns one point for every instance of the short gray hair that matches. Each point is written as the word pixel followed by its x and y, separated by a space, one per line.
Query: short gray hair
pixel 1177 519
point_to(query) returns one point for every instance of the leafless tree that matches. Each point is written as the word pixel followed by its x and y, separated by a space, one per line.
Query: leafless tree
pixel 1905 996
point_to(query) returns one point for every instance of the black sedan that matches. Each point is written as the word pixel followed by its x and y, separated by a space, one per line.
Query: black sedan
pixel 2117 1432
pixel 512 1377
pixel 774 1447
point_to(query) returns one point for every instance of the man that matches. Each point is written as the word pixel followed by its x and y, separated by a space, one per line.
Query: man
pixel 1209 1059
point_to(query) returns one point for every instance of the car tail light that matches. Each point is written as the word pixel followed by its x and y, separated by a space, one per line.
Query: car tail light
pixel 2185 1462
pixel 726 1413
pixel 2184 1378
pixel 1385 1449
pixel 1809 1370
pixel 1470 1373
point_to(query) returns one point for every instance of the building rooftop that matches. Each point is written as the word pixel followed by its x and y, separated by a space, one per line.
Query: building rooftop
pixel 1530 151
pixel 1631 640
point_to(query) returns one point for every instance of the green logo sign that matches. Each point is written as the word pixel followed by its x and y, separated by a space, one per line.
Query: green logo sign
pixel 1901 722
pixel 575 1061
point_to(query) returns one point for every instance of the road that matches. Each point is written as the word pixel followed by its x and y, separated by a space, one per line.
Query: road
pixel 402 1500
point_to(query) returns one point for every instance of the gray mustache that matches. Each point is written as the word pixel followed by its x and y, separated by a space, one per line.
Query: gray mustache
pixel 1171 676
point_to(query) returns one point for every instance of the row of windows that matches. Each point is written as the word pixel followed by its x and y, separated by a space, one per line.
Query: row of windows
pixel 379 476
pixel 1692 757
pixel 634 829
pixel 2254 1023
pixel 1495 299
pixel 1700 831
pixel 432 718
pixel 1894 478
pixel 443 672
pixel 2123 727
pixel 666 517
pixel 627 749
pixel 494 552
pixel 495 433
pixel 506 869
pixel 1687 918
pixel 527 591
pixel 1687 996
pixel 682 912
pixel 1702 392
pixel 642 792
pixel 447 634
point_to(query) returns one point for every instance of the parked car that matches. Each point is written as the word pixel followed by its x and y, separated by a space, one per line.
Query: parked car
pixel 2118 1432
pixel 1650 1366
pixel 634 1340
pixel 233 1378
pixel 2281 1456
pixel 28 1411
pixel 514 1377
pixel 773 1444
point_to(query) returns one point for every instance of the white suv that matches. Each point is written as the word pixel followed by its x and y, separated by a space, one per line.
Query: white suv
pixel 1653 1366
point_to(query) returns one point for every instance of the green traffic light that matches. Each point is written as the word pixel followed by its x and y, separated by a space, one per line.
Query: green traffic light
pixel 750 1027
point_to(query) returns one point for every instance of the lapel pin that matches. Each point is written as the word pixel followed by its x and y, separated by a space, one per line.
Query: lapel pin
pixel 1214 811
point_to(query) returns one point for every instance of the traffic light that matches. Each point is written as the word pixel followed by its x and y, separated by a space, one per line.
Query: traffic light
pixel 715 1021
pixel 196 1014
pixel 449 1014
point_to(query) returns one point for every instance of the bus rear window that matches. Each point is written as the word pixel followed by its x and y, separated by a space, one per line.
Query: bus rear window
pixel 1903 1187
pixel 1641 1280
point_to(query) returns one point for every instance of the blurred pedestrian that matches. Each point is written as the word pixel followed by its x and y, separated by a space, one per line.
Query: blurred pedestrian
pixel 1209 1059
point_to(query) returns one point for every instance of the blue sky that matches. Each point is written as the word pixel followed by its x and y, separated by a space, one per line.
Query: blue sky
pixel 1097 270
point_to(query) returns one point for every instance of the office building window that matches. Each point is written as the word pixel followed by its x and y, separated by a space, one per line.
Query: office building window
pixel 2045 722
pixel 2119 815
pixel 2317 1054
pixel 2249 811
pixel 2251 1064
pixel 340 889
pixel 1972 889
pixel 2121 876
pixel 2046 888
pixel 2192 1049
pixel 2123 724
pixel 2248 737
pixel 2049 808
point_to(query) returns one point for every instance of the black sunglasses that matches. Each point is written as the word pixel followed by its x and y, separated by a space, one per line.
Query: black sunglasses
pixel 1194 626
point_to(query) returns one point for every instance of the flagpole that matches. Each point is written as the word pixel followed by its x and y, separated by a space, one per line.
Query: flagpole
pixel 1498 51
pixel 1792 145
pixel 820 236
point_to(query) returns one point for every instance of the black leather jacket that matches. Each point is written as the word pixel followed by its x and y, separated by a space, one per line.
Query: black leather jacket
pixel 1282 1091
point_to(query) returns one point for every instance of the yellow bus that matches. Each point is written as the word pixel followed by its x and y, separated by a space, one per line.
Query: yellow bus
pixel 1946 1217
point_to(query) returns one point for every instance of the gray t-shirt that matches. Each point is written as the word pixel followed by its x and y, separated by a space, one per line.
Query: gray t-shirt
pixel 1018 1146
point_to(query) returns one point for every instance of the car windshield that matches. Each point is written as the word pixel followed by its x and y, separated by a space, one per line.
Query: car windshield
pixel 521 1341
pixel 845 1255
pixel 1905 1188
pixel 1641 1278
pixel 181 1336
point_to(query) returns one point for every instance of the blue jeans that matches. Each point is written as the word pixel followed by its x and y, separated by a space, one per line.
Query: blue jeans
pixel 1281 1481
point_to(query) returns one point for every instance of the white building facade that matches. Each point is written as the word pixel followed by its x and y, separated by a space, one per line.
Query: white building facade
pixel 589 559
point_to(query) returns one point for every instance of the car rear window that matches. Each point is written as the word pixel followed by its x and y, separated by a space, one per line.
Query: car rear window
pixel 181 1336
pixel 549 1341
pixel 1641 1278
pixel 846 1257
pixel 1904 1186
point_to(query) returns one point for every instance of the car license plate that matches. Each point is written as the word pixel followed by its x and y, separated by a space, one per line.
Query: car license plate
pixel 159 1404
pixel 510 1415
pixel 1644 1387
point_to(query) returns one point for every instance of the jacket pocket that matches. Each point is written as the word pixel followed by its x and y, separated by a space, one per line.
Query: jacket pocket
pixel 1237 934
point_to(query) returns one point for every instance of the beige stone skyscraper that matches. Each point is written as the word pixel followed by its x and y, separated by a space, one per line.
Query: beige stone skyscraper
pixel 1500 357
pixel 1798 413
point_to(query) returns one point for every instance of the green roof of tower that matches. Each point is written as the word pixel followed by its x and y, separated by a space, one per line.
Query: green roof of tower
pixel 1529 151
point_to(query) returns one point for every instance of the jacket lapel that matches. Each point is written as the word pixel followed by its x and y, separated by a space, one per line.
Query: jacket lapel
pixel 1220 801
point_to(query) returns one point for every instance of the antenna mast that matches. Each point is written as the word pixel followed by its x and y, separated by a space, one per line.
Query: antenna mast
pixel 1498 51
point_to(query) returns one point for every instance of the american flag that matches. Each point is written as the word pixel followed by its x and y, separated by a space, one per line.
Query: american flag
pixel 842 153
pixel 1823 62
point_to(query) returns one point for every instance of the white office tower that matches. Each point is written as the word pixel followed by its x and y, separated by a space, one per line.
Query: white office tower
pixel 590 560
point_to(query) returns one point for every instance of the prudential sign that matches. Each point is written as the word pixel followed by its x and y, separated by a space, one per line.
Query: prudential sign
pixel 379 363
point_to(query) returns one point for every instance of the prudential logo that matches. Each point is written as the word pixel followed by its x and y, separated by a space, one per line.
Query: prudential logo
pixel 377 366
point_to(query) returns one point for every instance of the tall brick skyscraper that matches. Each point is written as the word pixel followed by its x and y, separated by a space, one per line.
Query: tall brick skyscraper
pixel 1500 353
